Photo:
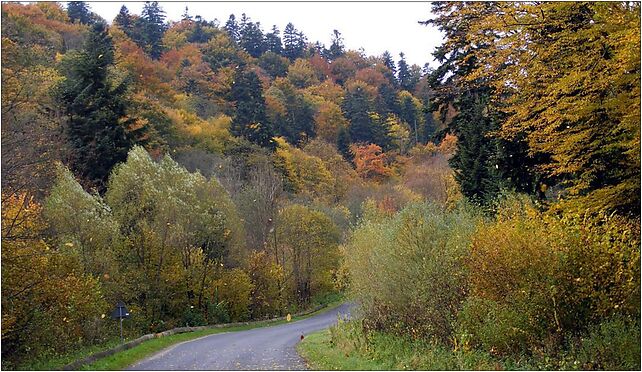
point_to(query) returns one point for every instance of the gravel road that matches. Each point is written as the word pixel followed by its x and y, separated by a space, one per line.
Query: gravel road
pixel 266 348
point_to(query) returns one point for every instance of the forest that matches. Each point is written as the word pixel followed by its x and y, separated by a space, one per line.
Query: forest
pixel 205 172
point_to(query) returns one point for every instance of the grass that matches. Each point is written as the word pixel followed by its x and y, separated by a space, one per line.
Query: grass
pixel 611 346
pixel 320 354
pixel 343 348
pixel 47 363
pixel 128 357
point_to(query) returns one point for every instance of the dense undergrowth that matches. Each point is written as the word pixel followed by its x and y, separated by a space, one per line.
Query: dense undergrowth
pixel 523 289
pixel 613 345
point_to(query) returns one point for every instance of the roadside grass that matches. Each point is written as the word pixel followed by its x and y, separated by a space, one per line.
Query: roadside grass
pixel 345 346
pixel 48 363
pixel 320 354
pixel 385 352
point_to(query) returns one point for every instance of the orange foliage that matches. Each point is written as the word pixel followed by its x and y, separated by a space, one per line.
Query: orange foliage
pixel 370 162
pixel 49 15
pixel 174 58
pixel 320 66
pixel 151 75
pixel 448 145
pixel 371 77
pixel 342 69
pixel 46 22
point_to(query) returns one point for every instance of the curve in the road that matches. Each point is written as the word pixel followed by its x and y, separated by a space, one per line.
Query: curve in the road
pixel 267 348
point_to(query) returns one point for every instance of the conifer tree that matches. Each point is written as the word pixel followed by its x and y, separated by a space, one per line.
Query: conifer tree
pixel 389 102
pixel 414 77
pixel 232 28
pixel 482 161
pixel 250 120
pixel 298 123
pixel 132 26
pixel 79 11
pixel 252 39
pixel 243 23
pixel 356 108
pixel 366 125
pixel 392 69
pixel 186 16
pixel 337 48
pixel 318 49
pixel 475 161
pixel 273 41
pixel 566 79
pixel 96 110
pixel 154 28
pixel 124 20
pixel 429 127
pixel 343 143
pixel 403 74
pixel 294 42
pixel 198 35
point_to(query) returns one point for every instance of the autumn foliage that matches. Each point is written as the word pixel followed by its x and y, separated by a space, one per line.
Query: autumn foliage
pixel 207 172
pixel 370 162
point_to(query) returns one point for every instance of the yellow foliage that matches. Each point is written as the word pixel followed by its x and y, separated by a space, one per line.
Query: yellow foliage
pixel 301 74
pixel 235 287
pixel 212 134
pixel 558 274
pixel 41 286
pixel 267 277
pixel 328 121
pixel 307 173
pixel 174 39
pixel 330 91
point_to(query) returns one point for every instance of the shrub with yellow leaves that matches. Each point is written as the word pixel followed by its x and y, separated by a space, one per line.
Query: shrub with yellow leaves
pixel 536 278
pixel 48 303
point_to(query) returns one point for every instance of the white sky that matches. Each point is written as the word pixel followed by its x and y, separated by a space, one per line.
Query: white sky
pixel 374 26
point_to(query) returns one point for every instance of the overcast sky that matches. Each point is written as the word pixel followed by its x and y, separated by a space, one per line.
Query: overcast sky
pixel 375 27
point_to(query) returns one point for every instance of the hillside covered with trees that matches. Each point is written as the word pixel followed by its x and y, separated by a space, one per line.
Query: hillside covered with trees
pixel 207 171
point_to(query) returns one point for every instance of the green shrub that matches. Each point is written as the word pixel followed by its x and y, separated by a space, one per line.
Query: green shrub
pixel 611 345
pixel 218 313
pixel 497 327
pixel 407 270
pixel 193 318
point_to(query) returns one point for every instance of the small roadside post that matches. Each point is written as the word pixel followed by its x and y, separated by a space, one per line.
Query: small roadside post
pixel 120 312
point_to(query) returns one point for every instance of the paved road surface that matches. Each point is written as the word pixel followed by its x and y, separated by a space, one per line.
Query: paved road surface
pixel 260 348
